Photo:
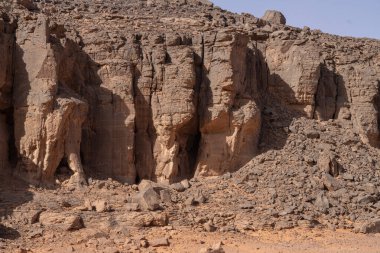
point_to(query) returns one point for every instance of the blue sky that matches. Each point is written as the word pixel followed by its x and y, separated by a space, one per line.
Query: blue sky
pixel 357 18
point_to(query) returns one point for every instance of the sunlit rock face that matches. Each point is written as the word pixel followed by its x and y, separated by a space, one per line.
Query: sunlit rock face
pixel 166 90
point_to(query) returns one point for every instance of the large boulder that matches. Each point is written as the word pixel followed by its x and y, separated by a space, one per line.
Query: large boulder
pixel 274 17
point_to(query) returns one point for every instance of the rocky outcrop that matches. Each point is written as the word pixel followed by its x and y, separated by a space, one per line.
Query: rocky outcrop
pixel 358 101
pixel 7 44
pixel 274 17
pixel 326 84
pixel 165 90
pixel 161 100
pixel 294 74
pixel 230 115
pixel 48 115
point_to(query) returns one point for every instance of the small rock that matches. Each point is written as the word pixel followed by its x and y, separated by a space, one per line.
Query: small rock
pixel 305 224
pixel 146 184
pixel 286 211
pixel 21 250
pixel 178 187
pixel 226 176
pixel 132 207
pixel 160 242
pixel 36 216
pixel 365 200
pixel 74 223
pixel 190 201
pixel 166 196
pixel 185 183
pixel 148 199
pixel 247 205
pixel 209 227
pixel 101 185
pixel 331 183
pixel 322 202
pixel 87 206
pixel 68 222
pixel 328 164
pixel 348 177
pixel 160 219
pixel 281 225
pixel 199 197
pixel 65 204
pixel 35 233
pixel 144 243
pixel 101 206
pixel 216 248
pixel 312 134
pixel 369 228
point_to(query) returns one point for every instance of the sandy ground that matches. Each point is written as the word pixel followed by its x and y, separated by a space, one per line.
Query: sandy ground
pixel 296 240
pixel 290 241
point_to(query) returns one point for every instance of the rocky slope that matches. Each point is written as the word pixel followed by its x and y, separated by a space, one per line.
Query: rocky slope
pixel 167 90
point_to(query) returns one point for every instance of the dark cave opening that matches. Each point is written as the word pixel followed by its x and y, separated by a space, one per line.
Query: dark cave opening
pixel 193 150
pixel 63 171
pixel 12 150
pixel 138 179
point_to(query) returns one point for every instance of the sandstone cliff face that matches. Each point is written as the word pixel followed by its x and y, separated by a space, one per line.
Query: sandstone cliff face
pixel 327 84
pixel 166 90
pixel 161 104
pixel 6 78
pixel 230 117
pixel 48 115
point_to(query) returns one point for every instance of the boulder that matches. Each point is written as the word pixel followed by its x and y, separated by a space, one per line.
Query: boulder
pixel 216 248
pixel 331 183
pixel 274 17
pixel 148 199
pixel 371 227
pixel 322 202
pixel 178 187
pixel 61 221
pixel 146 184
pixel 327 163
pixel 101 206
pixel 159 242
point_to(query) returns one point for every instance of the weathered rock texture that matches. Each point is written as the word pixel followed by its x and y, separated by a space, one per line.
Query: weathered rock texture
pixel 7 44
pixel 48 114
pixel 230 114
pixel 165 90
pixel 275 17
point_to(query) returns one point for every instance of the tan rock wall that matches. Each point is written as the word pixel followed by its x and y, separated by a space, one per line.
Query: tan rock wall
pixel 47 115
pixel 6 79
pixel 326 85
pixel 230 116
pixel 165 90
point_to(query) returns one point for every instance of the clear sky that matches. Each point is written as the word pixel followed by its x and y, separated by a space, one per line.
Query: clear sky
pixel 357 18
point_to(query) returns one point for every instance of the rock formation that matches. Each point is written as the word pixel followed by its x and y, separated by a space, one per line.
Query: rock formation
pixel 165 90
pixel 7 45
pixel 48 114
pixel 274 17
pixel 228 123
pixel 230 113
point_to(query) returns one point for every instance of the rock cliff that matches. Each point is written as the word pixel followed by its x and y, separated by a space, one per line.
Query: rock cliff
pixel 166 90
